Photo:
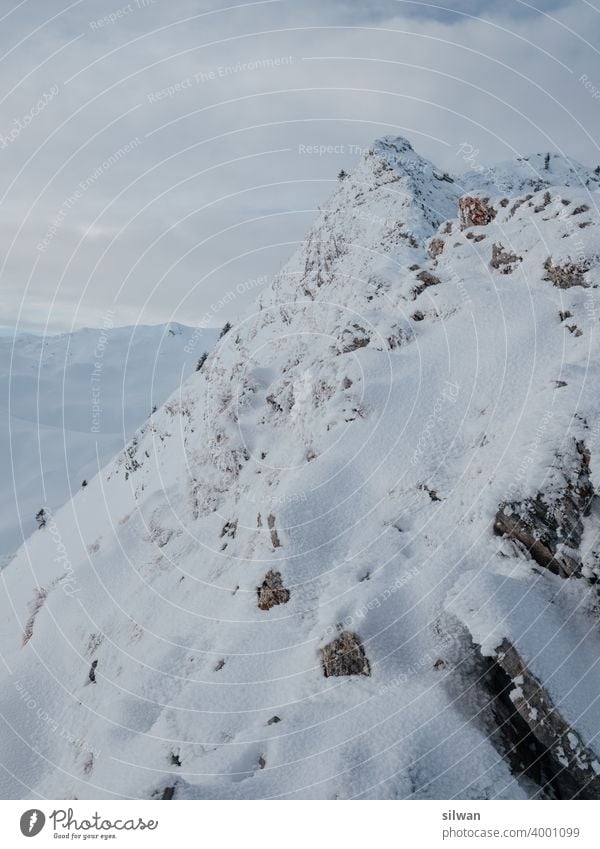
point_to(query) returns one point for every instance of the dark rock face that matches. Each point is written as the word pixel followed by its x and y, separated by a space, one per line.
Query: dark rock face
pixel 547 747
pixel 475 212
pixel 354 337
pixel 345 656
pixel 273 530
pixel 272 592
pixel 427 279
pixel 551 530
pixel 568 274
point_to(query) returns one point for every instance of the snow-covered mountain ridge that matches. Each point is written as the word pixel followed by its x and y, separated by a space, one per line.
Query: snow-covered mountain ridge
pixel 355 554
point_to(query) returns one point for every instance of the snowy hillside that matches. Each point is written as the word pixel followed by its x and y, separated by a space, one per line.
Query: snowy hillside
pixel 68 403
pixel 355 554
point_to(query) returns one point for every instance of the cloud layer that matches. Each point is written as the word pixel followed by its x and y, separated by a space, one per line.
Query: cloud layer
pixel 163 161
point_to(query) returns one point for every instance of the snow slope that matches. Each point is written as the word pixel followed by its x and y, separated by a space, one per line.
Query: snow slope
pixel 68 403
pixel 356 435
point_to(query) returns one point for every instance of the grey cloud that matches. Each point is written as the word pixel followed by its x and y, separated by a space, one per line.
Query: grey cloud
pixel 216 191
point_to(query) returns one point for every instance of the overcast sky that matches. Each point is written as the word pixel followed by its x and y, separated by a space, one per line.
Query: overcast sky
pixel 151 152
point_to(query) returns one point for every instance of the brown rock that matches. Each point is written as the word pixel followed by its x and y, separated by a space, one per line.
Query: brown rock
pixel 435 248
pixel 568 274
pixel 502 259
pixel 475 212
pixel 345 656
pixel 272 592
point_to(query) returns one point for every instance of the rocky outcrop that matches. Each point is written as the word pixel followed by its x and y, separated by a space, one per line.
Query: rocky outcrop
pixel 568 274
pixel 353 338
pixel 272 592
pixel 475 211
pixel 435 248
pixel 540 741
pixel 345 656
pixel 503 260
pixel 427 279
pixel 551 529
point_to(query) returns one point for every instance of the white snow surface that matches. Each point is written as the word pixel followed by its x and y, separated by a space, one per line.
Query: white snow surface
pixel 69 402
pixel 382 467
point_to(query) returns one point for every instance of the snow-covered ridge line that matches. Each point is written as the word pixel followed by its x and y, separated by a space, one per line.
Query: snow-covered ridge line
pixel 289 584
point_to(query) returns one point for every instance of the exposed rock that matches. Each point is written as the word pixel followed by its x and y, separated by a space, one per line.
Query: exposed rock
pixel 435 247
pixel 502 259
pixel 35 605
pixel 475 211
pixel 354 337
pixel 92 672
pixel 551 529
pixel 568 274
pixel 518 203
pixel 345 656
pixel 274 720
pixel 567 769
pixel 229 529
pixel 430 492
pixel 427 279
pixel 398 338
pixel 274 535
pixel 272 592
pixel 545 202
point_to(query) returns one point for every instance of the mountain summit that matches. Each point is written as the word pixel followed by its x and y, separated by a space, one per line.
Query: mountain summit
pixel 356 554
